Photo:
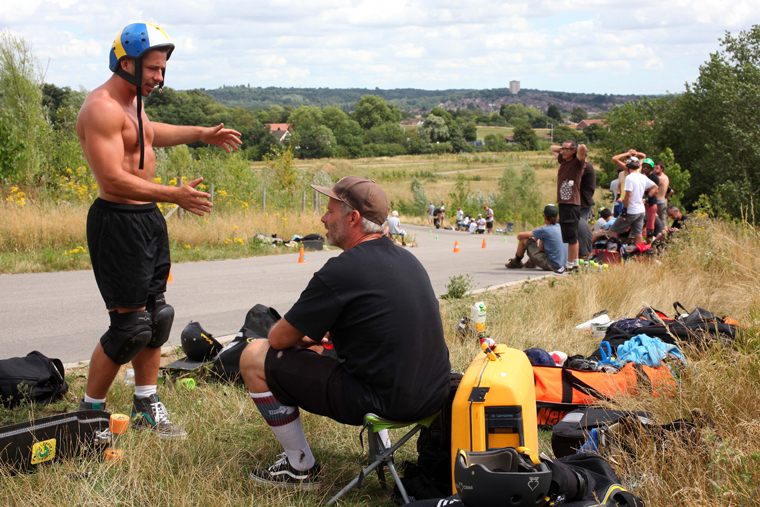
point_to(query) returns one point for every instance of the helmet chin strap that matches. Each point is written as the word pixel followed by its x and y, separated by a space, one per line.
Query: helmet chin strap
pixel 136 80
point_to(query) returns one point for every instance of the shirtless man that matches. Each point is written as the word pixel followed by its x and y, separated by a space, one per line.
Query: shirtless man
pixel 663 193
pixel 126 233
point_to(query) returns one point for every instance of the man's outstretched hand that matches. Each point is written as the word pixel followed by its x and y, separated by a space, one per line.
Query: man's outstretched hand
pixel 220 136
pixel 193 200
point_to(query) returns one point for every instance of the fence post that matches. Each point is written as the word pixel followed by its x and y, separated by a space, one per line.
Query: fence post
pixel 180 182
pixel 264 200
pixel 303 202
pixel 212 193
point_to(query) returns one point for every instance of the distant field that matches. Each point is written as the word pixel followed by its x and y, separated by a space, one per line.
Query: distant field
pixel 504 131
pixel 394 174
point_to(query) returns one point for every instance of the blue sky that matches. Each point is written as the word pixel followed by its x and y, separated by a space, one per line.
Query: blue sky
pixel 600 46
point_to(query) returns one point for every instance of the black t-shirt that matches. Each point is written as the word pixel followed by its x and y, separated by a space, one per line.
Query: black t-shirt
pixel 678 224
pixel 377 302
pixel 651 201
pixel 588 185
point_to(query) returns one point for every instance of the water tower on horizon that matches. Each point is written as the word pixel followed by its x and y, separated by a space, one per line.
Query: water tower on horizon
pixel 514 87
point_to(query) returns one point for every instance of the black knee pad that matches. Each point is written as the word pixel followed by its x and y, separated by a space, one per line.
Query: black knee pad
pixel 162 316
pixel 127 335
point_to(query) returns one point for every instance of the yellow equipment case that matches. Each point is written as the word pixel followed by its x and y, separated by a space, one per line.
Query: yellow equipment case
pixel 495 405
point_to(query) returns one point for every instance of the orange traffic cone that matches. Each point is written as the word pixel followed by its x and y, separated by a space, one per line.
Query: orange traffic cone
pixel 301 260
pixel 170 279
pixel 484 243
pixel 456 247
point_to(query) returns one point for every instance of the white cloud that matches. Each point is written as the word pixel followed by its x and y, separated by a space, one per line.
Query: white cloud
pixel 607 46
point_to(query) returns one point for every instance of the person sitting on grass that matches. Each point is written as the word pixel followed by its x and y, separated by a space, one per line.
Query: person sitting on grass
pixel 394 228
pixel 465 223
pixel 473 226
pixel 481 224
pixel 376 304
pixel 605 216
pixel 544 245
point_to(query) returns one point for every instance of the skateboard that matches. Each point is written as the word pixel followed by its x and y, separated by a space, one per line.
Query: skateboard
pixel 25 446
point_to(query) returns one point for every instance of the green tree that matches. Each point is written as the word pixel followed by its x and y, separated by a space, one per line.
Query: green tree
pixel 470 131
pixel 529 195
pixel 508 201
pixel 526 137
pixel 305 118
pixel 333 117
pixel 435 129
pixel 578 115
pixel 554 113
pixel 372 111
pixel 680 179
pixel 11 148
pixel 495 142
pixel 316 142
pixel 284 170
pixel 460 194
pixel 21 99
pixel 564 133
pixel 419 198
pixel 595 132
pixel 713 126
pixel 350 135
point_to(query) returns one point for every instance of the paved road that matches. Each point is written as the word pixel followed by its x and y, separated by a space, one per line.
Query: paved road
pixel 62 314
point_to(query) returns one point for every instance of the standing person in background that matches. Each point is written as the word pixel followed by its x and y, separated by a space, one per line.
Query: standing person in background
pixel 126 232
pixel 489 219
pixel 588 187
pixel 636 184
pixel 572 162
pixel 647 168
pixel 664 191
pixel 443 212
pixel 615 189
pixel 431 214
pixel 460 218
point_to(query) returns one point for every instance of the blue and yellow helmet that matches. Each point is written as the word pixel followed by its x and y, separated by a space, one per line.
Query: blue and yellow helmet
pixel 135 39
pixel 133 42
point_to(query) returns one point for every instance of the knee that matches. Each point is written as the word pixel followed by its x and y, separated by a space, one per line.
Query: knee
pixel 162 318
pixel 127 335
pixel 253 357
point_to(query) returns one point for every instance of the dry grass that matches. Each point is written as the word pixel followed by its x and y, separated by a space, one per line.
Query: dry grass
pixel 714 266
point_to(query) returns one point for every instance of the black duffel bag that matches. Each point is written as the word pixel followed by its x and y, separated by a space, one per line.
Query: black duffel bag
pixel 35 377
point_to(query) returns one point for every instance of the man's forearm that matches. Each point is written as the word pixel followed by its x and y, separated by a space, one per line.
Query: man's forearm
pixel 165 135
pixel 128 186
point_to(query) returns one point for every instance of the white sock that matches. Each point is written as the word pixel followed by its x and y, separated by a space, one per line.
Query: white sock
pixel 145 391
pixel 88 399
pixel 575 262
pixel 290 434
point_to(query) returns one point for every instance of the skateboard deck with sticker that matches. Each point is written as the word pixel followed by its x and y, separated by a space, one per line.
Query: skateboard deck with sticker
pixel 26 445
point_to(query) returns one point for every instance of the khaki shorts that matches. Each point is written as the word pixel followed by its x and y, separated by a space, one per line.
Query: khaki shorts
pixel 537 256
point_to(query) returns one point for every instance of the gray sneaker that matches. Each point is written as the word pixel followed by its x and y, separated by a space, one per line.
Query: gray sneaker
pixel 83 405
pixel 150 414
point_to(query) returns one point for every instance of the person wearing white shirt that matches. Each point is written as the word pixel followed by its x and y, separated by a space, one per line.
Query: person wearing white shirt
pixel 636 185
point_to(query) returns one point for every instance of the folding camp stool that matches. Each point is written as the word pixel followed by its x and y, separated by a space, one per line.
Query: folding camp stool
pixel 380 454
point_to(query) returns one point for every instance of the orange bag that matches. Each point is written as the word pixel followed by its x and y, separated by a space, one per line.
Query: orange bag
pixel 561 390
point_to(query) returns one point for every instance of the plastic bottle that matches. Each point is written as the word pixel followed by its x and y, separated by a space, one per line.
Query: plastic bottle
pixel 129 377
pixel 478 319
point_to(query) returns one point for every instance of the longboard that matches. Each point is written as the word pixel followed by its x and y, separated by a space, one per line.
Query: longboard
pixel 26 445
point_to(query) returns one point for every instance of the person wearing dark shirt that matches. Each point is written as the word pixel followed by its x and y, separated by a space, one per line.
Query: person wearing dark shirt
pixel 647 167
pixel 376 304
pixel 678 219
pixel 572 162
pixel 588 187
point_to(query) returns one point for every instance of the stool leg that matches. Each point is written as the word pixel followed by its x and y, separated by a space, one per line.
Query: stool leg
pixel 400 485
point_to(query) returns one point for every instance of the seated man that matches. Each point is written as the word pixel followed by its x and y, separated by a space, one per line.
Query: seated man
pixel 549 252
pixel 376 303
pixel 481 224
pixel 473 226
pixel 604 216
pixel 677 217
pixel 394 227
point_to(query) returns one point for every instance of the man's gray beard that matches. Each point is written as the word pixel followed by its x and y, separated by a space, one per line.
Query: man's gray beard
pixel 337 234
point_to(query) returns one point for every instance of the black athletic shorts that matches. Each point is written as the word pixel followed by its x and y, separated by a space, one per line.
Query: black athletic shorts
pixel 318 384
pixel 489 225
pixel 569 214
pixel 129 249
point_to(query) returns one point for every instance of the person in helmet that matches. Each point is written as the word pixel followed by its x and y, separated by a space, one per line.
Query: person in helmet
pixel 126 232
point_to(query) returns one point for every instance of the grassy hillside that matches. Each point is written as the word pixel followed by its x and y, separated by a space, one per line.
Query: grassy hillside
pixel 713 265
